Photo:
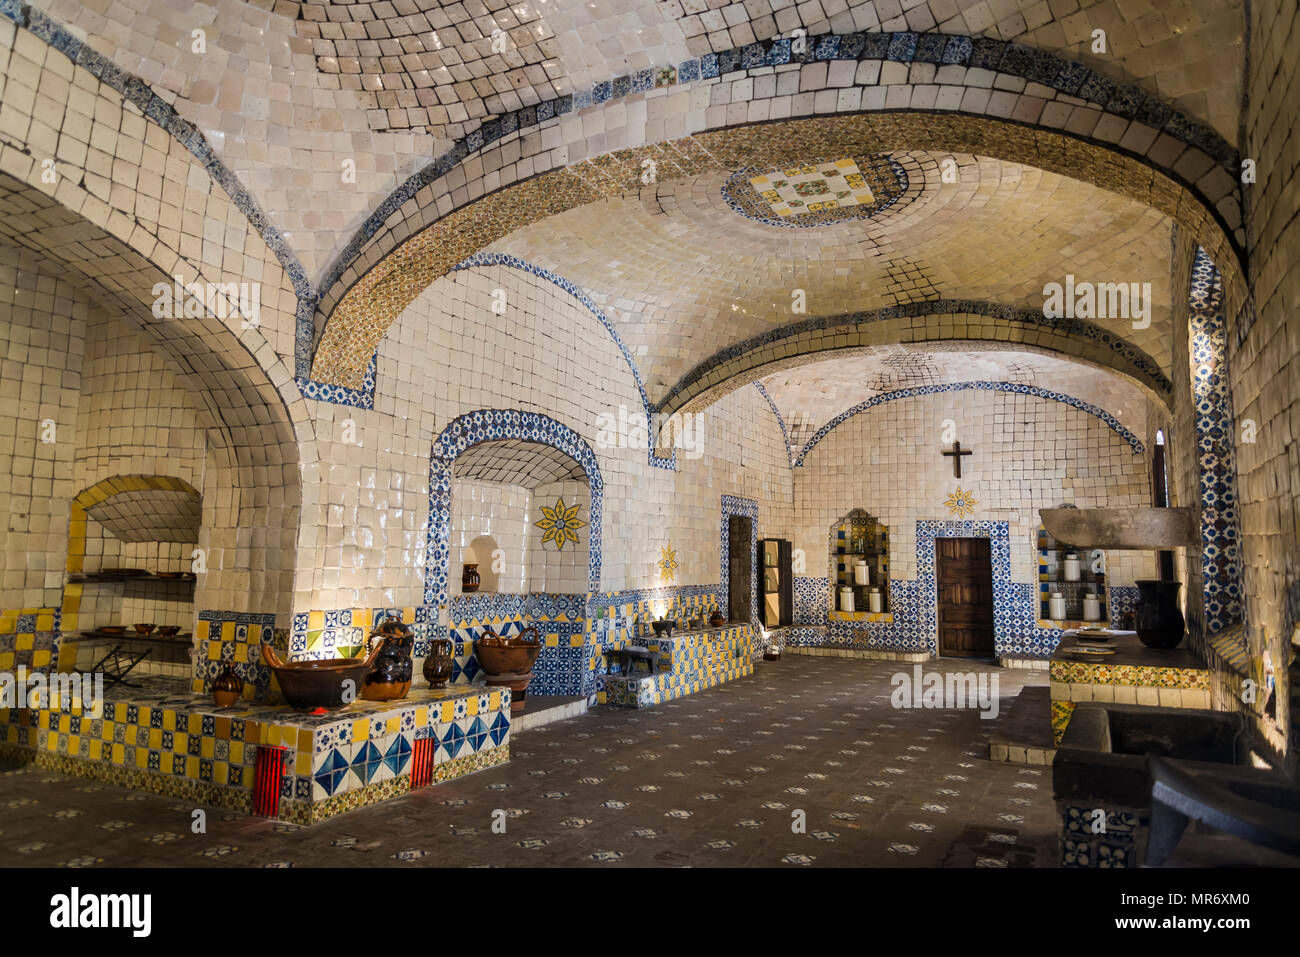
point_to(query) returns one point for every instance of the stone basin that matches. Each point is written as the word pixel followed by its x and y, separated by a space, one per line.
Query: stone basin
pixel 1101 766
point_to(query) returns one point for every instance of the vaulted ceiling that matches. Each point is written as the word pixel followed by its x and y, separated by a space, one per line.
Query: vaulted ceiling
pixel 290 93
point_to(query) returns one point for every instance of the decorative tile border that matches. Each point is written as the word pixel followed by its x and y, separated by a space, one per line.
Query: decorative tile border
pixel 744 508
pixel 1133 441
pixel 363 398
pixel 1221 580
pixel 780 420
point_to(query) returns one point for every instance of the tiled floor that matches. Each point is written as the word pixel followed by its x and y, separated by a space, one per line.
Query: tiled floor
pixel 711 779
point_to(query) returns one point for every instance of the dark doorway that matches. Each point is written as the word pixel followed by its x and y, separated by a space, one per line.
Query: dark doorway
pixel 740 566
pixel 965 578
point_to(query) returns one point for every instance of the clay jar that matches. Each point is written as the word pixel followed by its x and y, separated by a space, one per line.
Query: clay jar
pixel 227 688
pixel 1159 621
pixel 389 677
pixel 469 579
pixel 437 664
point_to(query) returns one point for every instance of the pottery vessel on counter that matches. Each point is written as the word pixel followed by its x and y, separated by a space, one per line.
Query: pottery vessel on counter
pixel 390 678
pixel 437 663
pixel 663 628
pixel 1159 621
pixel 717 620
pixel 469 580
pixel 509 661
pixel 330 683
pixel 227 688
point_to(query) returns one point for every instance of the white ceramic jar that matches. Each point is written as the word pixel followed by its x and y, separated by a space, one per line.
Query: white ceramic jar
pixel 861 575
pixel 1056 606
pixel 1071 567
pixel 1091 607
pixel 846 598
pixel 875 601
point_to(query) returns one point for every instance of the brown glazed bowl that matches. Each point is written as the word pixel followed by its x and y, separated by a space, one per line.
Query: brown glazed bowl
pixel 145 629
pixel 508 656
pixel 331 683
pixel 169 631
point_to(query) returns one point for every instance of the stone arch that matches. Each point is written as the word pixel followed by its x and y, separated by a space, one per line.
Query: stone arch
pixel 488 425
pixel 368 296
pixel 252 487
pixel 1009 387
pixel 814 339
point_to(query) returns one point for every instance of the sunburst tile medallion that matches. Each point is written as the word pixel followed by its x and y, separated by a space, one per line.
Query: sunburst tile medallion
pixel 816 194
pixel 961 503
pixel 560 524
pixel 667 564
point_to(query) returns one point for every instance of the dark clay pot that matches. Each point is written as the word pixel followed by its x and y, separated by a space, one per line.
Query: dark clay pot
pixel 390 676
pixel 437 663
pixel 1159 621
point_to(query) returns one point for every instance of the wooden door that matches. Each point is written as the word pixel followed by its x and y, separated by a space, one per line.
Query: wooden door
pixel 965 577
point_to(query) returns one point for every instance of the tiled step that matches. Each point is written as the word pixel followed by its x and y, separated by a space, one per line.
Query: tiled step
pixel 1024 731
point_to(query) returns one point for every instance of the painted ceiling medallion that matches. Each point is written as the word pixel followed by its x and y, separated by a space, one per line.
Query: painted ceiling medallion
pixel 667 564
pixel 816 194
pixel 961 503
pixel 560 524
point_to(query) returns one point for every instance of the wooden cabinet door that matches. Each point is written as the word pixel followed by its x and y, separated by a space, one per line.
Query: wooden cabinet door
pixel 964 567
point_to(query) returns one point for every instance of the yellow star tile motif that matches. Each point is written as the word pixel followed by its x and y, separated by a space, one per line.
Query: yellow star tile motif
pixel 667 563
pixel 961 503
pixel 560 524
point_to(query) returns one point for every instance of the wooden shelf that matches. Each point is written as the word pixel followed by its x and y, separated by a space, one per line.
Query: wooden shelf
pixel 95 578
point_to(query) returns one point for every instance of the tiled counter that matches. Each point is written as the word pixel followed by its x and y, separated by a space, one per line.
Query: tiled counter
pixel 688 662
pixel 163 739
pixel 1135 674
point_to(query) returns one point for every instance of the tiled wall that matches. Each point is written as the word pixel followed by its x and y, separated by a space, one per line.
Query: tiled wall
pixel 42 331
pixel 1263 360
pixel 451 354
pixel 485 517
pixel 1029 453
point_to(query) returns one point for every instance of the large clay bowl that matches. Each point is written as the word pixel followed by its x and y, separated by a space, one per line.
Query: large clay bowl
pixel 330 683
pixel 508 656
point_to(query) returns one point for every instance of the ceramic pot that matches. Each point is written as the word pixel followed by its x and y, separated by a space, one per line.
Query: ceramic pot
pixel 227 688
pixel 320 683
pixel 469 580
pixel 1071 567
pixel 875 601
pixel 390 676
pixel 1091 608
pixel 716 619
pixel 509 662
pixel 663 628
pixel 846 599
pixel 1159 620
pixel 437 664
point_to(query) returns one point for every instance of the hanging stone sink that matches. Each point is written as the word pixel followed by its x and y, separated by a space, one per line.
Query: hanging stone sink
pixel 1124 528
